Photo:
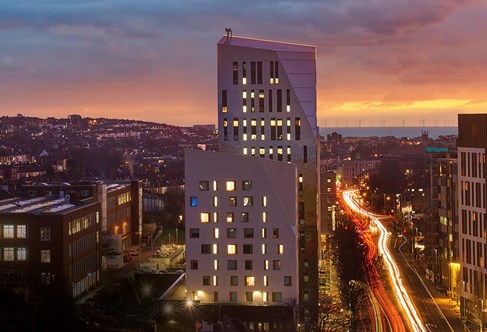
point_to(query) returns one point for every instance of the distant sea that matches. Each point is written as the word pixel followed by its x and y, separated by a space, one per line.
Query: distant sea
pixel 411 132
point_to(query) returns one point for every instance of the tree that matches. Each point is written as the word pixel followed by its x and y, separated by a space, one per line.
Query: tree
pixel 173 205
pixel 355 297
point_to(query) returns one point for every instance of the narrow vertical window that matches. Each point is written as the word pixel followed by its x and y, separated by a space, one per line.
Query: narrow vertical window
pixel 224 101
pixel 252 72
pixel 300 184
pixel 288 129
pixel 279 153
pixel 297 129
pixel 244 73
pixel 262 129
pixel 235 129
pixel 252 152
pixel 271 80
pixel 279 100
pixel 252 101
pixel 244 129
pixel 271 152
pixel 288 154
pixel 276 72
pixel 259 72
pixel 273 129
pixel 244 101
pixel 270 100
pixel 235 73
pixel 262 152
pixel 288 100
pixel 279 129
pixel 305 154
pixel 261 101
pixel 253 129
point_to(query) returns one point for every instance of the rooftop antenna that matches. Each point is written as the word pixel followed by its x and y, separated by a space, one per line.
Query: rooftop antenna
pixel 228 31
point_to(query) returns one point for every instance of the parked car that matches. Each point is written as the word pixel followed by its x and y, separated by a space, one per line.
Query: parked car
pixel 163 271
pixel 147 269
pixel 179 271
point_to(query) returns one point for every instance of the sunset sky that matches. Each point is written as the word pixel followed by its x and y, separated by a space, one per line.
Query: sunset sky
pixel 380 62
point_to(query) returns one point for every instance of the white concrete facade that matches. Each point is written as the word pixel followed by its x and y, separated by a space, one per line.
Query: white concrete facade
pixel 241 229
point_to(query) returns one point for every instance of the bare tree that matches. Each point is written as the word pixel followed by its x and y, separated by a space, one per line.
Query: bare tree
pixel 354 294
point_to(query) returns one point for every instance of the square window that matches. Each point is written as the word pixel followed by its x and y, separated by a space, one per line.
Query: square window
pixel 232 201
pixel 249 281
pixel 275 233
pixel 205 248
pixel 234 281
pixel 194 201
pixel 8 254
pixel 45 256
pixel 204 185
pixel 194 265
pixel 244 217
pixel 232 264
pixel 276 296
pixel 21 231
pixel 276 264
pixel 233 297
pixel 247 185
pixel 206 280
pixel 232 249
pixel 248 249
pixel 194 233
pixel 248 233
pixel 8 231
pixel 230 217
pixel 248 296
pixel 230 185
pixel 205 216
pixel 288 281
pixel 248 201
pixel 231 233
pixel 248 265
pixel 306 277
pixel 21 254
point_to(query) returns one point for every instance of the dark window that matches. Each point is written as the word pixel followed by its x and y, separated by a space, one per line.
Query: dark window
pixel 252 72
pixel 259 72
pixel 244 72
pixel 288 281
pixel 235 73
pixel 288 100
pixel 206 280
pixel 194 233
pixel 279 100
pixel 231 233
pixel 232 264
pixel 224 101
pixel 248 265
pixel 244 217
pixel 276 72
pixel 232 201
pixel 273 129
pixel 233 280
pixel 205 248
pixel 272 72
pixel 225 129
pixel 261 101
pixel 305 154
pixel 194 265
pixel 276 264
pixel 235 129
pixel 204 185
pixel 247 185
pixel 275 233
pixel 270 100
pixel 297 129
pixel 248 249
pixel 248 233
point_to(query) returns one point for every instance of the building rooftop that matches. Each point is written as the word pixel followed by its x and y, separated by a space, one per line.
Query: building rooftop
pixel 266 44
pixel 37 205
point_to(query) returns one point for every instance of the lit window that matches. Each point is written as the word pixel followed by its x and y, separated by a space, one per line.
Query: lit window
pixel 244 217
pixel 8 254
pixel 229 216
pixel 232 249
pixel 244 136
pixel 264 216
pixel 216 264
pixel 265 296
pixel 22 254
pixel 245 151
pixel 262 152
pixel 230 185
pixel 21 231
pixel 247 185
pixel 288 100
pixel 215 201
pixel 45 233
pixel 215 248
pixel 215 280
pixel 8 231
pixel 205 217
pixel 249 281
pixel 266 280
pixel 264 233
pixel 194 201
pixel 264 249
pixel 231 233
pixel 215 185
pixel 215 216
pixel 204 185
pixel 216 233
pixel 266 264
pixel 249 296
pixel 244 73
pixel 306 296
pixel 280 249
pixel 264 201
pixel 224 101
pixel 45 256
pixel 232 201
pixel 248 201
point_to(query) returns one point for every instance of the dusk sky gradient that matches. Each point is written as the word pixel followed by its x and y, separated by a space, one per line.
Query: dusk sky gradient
pixel 379 61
